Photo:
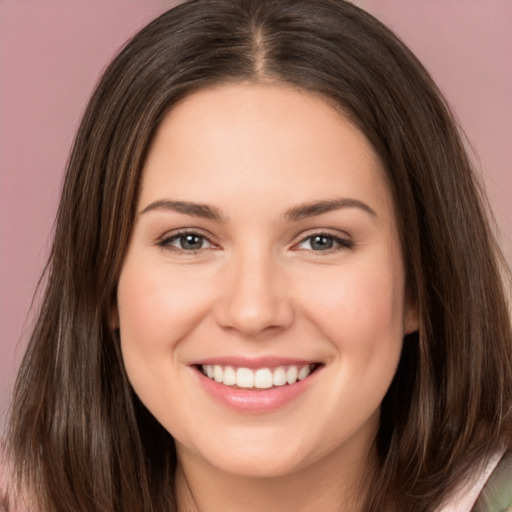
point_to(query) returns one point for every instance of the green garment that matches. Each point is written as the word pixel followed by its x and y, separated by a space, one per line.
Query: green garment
pixel 496 496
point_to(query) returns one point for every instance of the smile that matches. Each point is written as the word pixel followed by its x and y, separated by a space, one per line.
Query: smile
pixel 260 378
pixel 256 385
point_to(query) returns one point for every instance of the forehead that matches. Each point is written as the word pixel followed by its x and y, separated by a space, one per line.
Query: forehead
pixel 259 142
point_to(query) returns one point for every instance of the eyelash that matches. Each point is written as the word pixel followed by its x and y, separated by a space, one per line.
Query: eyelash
pixel 339 244
pixel 166 242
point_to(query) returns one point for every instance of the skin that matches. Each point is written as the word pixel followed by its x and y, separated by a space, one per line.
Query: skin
pixel 258 287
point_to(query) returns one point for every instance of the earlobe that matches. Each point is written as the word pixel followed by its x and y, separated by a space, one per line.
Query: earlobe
pixel 411 318
pixel 114 318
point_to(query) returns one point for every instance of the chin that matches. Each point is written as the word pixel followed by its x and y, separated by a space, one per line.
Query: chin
pixel 260 465
pixel 262 453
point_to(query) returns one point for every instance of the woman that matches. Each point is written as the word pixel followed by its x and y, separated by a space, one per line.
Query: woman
pixel 272 285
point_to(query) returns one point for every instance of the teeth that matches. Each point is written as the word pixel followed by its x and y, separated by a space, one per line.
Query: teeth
pixel 229 376
pixel 291 374
pixel 244 378
pixel 279 377
pixel 304 372
pixel 218 373
pixel 262 378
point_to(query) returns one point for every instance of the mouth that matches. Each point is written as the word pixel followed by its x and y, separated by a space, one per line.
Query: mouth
pixel 259 384
pixel 263 378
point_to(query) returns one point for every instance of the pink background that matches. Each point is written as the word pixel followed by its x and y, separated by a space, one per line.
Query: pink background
pixel 52 52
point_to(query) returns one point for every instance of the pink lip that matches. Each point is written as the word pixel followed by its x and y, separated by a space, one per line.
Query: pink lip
pixel 252 400
pixel 253 363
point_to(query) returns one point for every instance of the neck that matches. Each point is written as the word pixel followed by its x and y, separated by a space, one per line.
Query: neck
pixel 326 485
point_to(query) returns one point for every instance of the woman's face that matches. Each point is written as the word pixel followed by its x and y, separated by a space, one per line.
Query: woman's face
pixel 261 304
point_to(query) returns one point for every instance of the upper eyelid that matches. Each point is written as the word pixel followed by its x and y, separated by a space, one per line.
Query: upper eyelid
pixel 186 231
pixel 343 240
pixel 334 233
pixel 164 241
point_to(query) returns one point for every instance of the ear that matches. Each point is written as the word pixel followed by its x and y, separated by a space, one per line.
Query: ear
pixel 411 317
pixel 114 317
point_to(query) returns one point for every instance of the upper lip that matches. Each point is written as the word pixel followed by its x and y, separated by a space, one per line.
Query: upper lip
pixel 254 362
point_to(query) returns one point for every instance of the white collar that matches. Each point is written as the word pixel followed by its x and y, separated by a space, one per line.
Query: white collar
pixel 467 494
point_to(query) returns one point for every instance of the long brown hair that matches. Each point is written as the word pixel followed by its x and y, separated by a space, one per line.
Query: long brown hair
pixel 79 438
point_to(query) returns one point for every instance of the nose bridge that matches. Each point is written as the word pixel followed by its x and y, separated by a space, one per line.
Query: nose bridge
pixel 255 296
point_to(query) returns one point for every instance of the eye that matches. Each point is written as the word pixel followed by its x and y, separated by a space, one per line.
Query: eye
pixel 186 241
pixel 323 242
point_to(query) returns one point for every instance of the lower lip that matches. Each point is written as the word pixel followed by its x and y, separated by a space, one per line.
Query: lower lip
pixel 256 400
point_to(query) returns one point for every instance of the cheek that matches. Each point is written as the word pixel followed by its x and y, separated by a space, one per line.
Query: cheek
pixel 361 312
pixel 359 305
pixel 157 307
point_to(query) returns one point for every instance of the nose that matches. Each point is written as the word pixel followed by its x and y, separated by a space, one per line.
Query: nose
pixel 255 298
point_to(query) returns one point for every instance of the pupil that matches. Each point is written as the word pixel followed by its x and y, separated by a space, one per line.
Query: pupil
pixel 191 242
pixel 322 243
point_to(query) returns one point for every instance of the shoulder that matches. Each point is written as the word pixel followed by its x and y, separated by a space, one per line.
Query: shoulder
pixel 496 495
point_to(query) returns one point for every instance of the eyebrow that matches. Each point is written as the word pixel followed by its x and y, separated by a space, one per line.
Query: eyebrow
pixel 315 208
pixel 294 214
pixel 186 207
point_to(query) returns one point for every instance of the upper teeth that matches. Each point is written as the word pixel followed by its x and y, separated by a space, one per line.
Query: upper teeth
pixel 262 378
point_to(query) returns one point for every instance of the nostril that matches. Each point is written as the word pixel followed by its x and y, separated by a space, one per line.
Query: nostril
pixel 254 315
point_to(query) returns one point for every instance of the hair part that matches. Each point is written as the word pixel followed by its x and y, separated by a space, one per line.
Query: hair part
pixel 79 437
